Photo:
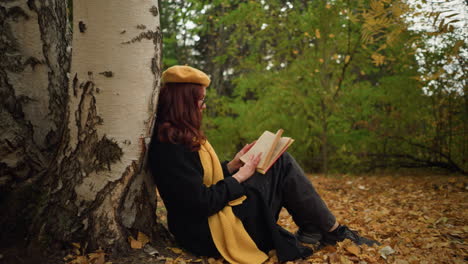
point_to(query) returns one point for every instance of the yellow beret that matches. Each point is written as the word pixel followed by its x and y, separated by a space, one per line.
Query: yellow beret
pixel 185 74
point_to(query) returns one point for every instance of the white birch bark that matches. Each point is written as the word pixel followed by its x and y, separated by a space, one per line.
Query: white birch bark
pixel 33 63
pixel 114 75
pixel 85 143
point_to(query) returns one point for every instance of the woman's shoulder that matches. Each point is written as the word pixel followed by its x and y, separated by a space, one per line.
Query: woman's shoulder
pixel 168 154
pixel 170 150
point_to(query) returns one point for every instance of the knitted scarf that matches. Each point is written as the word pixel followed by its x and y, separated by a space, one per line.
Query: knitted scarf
pixel 228 232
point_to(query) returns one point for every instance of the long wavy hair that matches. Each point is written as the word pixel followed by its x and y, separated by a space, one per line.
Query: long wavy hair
pixel 179 118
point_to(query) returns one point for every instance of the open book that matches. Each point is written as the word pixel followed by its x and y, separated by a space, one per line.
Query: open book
pixel 272 146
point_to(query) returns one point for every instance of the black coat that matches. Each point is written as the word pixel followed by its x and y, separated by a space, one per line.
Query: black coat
pixel 178 174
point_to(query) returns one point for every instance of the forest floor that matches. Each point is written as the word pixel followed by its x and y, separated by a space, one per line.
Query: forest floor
pixel 418 219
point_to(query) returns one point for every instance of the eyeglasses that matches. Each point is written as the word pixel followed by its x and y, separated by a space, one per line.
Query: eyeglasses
pixel 203 101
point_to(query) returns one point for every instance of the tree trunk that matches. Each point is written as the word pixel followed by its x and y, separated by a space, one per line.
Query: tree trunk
pixel 79 150
pixel 33 97
pixel 324 137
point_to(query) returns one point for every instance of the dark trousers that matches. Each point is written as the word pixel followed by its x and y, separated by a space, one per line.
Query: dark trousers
pixel 285 185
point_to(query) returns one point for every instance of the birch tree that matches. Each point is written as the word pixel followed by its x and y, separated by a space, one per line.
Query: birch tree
pixel 75 112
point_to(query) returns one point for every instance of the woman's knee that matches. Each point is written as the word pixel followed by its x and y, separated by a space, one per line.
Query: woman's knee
pixel 288 161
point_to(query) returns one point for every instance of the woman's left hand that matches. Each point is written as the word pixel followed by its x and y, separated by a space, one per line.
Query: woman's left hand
pixel 236 163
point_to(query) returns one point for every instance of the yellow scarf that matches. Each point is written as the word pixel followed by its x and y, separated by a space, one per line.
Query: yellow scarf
pixel 228 232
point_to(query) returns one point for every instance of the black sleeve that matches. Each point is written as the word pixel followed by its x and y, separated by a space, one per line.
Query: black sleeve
pixel 226 172
pixel 179 177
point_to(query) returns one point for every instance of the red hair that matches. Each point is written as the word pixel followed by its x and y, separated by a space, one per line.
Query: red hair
pixel 179 118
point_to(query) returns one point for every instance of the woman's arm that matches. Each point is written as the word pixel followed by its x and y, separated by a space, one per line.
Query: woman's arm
pixel 226 171
pixel 235 164
pixel 179 176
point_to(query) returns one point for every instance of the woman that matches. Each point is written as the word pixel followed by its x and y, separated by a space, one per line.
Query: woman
pixel 227 209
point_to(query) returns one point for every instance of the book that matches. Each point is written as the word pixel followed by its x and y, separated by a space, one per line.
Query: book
pixel 271 146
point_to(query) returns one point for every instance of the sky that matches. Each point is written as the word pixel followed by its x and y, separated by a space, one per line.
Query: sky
pixel 427 17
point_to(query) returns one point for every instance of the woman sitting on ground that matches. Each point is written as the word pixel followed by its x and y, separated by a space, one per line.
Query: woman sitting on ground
pixel 227 208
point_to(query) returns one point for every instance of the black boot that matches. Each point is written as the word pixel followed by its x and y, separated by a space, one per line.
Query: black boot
pixel 343 232
pixel 309 237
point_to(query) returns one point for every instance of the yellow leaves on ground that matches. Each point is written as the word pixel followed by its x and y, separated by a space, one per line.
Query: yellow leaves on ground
pixel 182 260
pixel 138 243
pixel 353 249
pixel 97 257
pixel 215 261
pixel 317 33
pixel 418 219
pixel 143 238
pixel 76 245
pixel 135 244
pixel 175 250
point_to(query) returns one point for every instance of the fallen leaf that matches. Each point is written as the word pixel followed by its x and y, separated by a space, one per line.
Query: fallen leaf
pixel 68 257
pixel 175 250
pixel 142 238
pixel 135 244
pixel 385 251
pixel 77 245
pixel 79 260
pixel 401 261
pixel 97 258
pixel 353 249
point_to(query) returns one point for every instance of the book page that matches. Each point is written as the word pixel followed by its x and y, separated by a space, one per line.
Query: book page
pixel 283 144
pixel 264 144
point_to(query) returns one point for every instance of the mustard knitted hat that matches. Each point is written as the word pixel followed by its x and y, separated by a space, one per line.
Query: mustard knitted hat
pixel 185 74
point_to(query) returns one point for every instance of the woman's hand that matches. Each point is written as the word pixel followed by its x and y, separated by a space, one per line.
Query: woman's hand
pixel 236 163
pixel 248 169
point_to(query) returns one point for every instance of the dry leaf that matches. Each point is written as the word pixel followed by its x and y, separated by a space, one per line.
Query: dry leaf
pixel 345 260
pixel 135 244
pixel 79 260
pixel 142 238
pixel 353 249
pixel 77 245
pixel 385 251
pixel 97 257
pixel 175 250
